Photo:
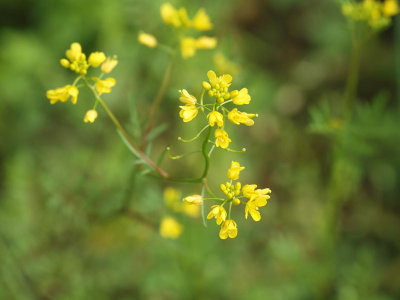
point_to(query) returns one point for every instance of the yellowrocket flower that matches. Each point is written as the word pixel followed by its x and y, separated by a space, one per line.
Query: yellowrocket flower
pixel 148 40
pixel 242 97
pixel 249 191
pixel 237 117
pixel 170 15
pixel 104 86
pixel 74 52
pixel 170 228
pixel 234 170
pixel 188 112
pixel 219 86
pixel 217 212
pixel 193 199
pixel 206 42
pixel 222 138
pixel 390 8
pixel 188 47
pixel 252 207
pixel 63 94
pixel 96 59
pixel 90 116
pixel 228 229
pixel 187 98
pixel 109 64
pixel 201 20
pixel 215 117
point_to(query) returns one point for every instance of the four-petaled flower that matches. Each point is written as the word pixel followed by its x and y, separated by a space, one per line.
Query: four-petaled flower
pixel 218 212
pixel 228 229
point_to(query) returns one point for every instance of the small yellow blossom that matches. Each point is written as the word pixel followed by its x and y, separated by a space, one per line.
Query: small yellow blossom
pixel 63 93
pixel 201 20
pixel 104 86
pixel 217 212
pixel 187 98
pixel 234 170
pixel 90 116
pixel 148 40
pixel 188 112
pixel 193 199
pixel 170 228
pixel 230 190
pixel 222 138
pixel 228 229
pixel 390 8
pixel 237 117
pixel 109 64
pixel 74 52
pixel 182 13
pixel 215 117
pixel 242 97
pixel 249 191
pixel 220 85
pixel 96 59
pixel 188 47
pixel 65 63
pixel 206 42
pixel 191 210
pixel 252 207
pixel 170 15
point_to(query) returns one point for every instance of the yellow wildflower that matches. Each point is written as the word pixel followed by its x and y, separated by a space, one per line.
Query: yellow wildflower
pixel 74 52
pixel 201 20
pixel 220 85
pixel 217 212
pixel 65 63
pixel 182 13
pixel 234 170
pixel 193 199
pixel 96 59
pixel 109 64
pixel 228 229
pixel 148 40
pixel 188 112
pixel 90 116
pixel 104 86
pixel 242 97
pixel 170 15
pixel 206 42
pixel 249 191
pixel 63 93
pixel 390 8
pixel 215 117
pixel 252 207
pixel 170 228
pixel 187 98
pixel 222 138
pixel 188 47
pixel 191 210
pixel 230 190
pixel 237 117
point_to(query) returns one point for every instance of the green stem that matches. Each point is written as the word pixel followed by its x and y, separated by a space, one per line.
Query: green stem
pixel 124 133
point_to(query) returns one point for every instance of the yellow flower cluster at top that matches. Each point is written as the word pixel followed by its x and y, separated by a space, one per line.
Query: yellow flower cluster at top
pixel 376 14
pixel 178 18
pixel 76 61
pixel 235 194
pixel 217 88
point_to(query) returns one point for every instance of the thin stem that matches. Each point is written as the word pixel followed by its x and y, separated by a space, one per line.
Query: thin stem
pixel 229 212
pixel 158 99
pixel 124 133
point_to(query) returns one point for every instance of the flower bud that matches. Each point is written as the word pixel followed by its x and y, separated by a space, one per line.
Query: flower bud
pixel 96 59
pixel 193 199
pixel 206 85
pixel 64 62
pixel 90 116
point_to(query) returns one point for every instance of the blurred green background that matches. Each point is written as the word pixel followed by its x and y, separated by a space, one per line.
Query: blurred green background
pixel 332 227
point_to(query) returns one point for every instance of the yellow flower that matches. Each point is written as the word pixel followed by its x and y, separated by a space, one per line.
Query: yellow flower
pixel 249 191
pixel 390 8
pixel 234 170
pixel 63 93
pixel 201 20
pixel 96 59
pixel 191 210
pixel 228 229
pixel 187 98
pixel 170 15
pixel 148 40
pixel 74 52
pixel 182 13
pixel 252 207
pixel 109 64
pixel 104 86
pixel 170 228
pixel 222 138
pixel 237 117
pixel 90 116
pixel 206 42
pixel 219 86
pixel 217 212
pixel 231 190
pixel 242 97
pixel 188 112
pixel 65 63
pixel 188 47
pixel 193 199
pixel 215 117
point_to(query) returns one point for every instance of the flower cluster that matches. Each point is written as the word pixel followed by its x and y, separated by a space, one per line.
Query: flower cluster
pixel 217 88
pixel 375 13
pixel 77 62
pixel 178 18
pixel 235 194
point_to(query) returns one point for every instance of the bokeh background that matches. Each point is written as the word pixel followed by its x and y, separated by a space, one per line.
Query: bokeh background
pixel 332 227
